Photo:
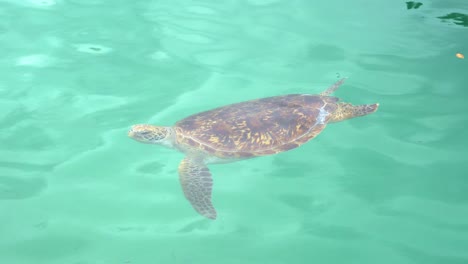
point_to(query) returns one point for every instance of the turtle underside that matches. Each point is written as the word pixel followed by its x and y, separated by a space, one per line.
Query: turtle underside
pixel 258 127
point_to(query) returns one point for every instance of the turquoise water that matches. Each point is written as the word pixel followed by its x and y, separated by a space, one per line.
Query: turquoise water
pixel 391 187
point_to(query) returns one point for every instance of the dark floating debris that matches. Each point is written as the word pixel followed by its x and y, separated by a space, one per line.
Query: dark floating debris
pixel 92 48
pixel 457 18
pixel 413 5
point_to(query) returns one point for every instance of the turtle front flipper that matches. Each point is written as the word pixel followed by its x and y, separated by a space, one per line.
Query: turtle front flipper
pixel 197 184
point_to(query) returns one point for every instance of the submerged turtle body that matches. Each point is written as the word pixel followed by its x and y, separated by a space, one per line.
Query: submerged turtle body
pixel 257 127
pixel 244 130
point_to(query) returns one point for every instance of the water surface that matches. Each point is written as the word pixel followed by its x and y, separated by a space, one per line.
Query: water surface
pixel 387 188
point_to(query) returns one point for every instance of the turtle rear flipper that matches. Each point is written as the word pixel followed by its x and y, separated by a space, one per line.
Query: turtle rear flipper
pixel 347 111
pixel 333 88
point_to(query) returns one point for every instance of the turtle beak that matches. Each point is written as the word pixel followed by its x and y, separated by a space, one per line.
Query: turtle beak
pixel 137 134
pixel 131 133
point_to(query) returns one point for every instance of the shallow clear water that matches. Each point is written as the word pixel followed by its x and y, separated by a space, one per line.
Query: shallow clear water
pixel 386 188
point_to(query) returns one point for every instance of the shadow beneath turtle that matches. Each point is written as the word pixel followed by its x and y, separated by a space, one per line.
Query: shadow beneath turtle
pixel 150 168
pixel 332 231
pixel 201 224
pixel 19 188
pixel 304 203
pixel 289 169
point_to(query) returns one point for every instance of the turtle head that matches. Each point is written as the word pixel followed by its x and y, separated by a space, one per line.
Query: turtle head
pixel 152 134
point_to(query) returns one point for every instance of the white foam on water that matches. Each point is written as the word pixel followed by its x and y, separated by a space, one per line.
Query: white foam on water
pixel 262 2
pixel 42 3
pixel 159 55
pixel 186 35
pixel 92 103
pixel 33 3
pixel 35 60
pixel 54 41
pixel 39 4
pixel 202 10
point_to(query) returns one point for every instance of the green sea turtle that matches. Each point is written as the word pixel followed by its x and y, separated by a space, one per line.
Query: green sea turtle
pixel 244 130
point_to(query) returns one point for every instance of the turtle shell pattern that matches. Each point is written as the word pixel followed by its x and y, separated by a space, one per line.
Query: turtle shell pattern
pixel 258 127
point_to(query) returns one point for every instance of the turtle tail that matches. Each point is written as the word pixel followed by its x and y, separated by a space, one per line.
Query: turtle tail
pixel 347 111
